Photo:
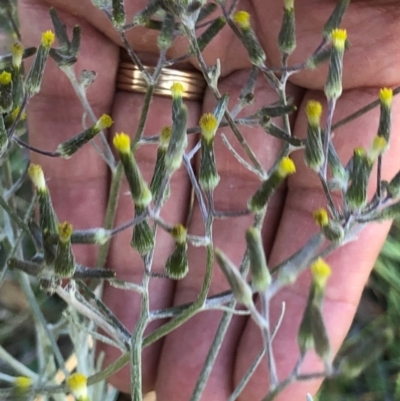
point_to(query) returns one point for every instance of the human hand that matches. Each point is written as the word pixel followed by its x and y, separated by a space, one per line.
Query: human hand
pixel 79 186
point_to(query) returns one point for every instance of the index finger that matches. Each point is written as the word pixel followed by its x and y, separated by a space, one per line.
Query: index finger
pixel 55 114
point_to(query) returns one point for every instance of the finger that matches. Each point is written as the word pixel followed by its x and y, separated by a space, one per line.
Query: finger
pixel 185 350
pixel 125 260
pixel 55 115
pixel 225 46
pixel 351 264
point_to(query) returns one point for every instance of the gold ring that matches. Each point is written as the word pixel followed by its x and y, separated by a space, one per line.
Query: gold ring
pixel 130 79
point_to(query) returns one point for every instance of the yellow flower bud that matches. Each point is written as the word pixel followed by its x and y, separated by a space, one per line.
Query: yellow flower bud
pixel 47 38
pixel 378 146
pixel 208 124
pixel 179 233
pixel 105 121
pixel 339 37
pixel 242 18
pixel 177 90
pixel 122 142
pixel 77 383
pixel 313 112
pixel 320 271
pixel 23 383
pixel 15 113
pixel 321 217
pixel 65 231
pixel 286 167
pixel 386 96
pixel 165 136
pixel 5 78
pixel 36 175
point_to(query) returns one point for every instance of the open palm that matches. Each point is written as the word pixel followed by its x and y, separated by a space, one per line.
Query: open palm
pixel 79 187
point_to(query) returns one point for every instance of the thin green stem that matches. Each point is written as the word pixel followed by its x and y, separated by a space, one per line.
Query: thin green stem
pixel 212 353
pixel 193 40
pixel 26 286
pixel 80 92
pixel 143 115
pixel 14 216
pixel 247 376
pixel 191 310
pixel 111 211
pixel 136 343
pixel 16 365
pixel 361 111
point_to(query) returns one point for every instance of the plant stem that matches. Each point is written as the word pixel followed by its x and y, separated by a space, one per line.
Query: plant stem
pixel 111 211
pixel 106 154
pixel 191 310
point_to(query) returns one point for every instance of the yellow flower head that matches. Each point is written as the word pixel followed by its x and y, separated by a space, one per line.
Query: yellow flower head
pixel 320 271
pixel 208 124
pixel 242 18
pixel 122 143
pixel 178 232
pixel 105 121
pixel 47 38
pixel 5 78
pixel 15 113
pixel 65 231
pixel 313 111
pixel 339 37
pixel 386 96
pixel 177 90
pixel 36 175
pixel 286 167
pixel 378 146
pixel 22 383
pixel 321 217
pixel 165 136
pixel 77 383
pixel 360 151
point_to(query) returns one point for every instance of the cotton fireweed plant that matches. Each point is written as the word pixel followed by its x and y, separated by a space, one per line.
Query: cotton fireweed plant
pixel 53 266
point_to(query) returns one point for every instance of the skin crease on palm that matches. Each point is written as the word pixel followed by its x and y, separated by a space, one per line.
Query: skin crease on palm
pixel 79 186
